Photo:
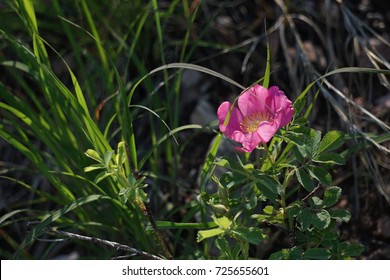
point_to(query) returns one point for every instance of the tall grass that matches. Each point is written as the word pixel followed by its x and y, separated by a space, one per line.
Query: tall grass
pixel 43 110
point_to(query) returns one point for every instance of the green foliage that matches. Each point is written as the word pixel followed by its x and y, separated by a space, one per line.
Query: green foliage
pixel 290 189
pixel 113 166
pixel 298 194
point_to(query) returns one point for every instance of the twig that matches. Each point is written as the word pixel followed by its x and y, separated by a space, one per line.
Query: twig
pixel 99 241
pixel 311 193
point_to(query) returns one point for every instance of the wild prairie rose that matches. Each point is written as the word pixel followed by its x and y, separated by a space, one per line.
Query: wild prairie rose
pixel 260 113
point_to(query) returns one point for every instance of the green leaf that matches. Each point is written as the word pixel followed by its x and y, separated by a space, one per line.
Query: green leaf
pixel 94 167
pixel 93 155
pixel 17 113
pixel 249 167
pixel 28 6
pixel 224 247
pixel 108 156
pixel 321 220
pixel 305 180
pixel 298 155
pixel 294 253
pixel 219 208
pixel 293 210
pixel 260 217
pixel 317 254
pixel 269 210
pixel 230 179
pixel 222 161
pixel 126 194
pixel 341 215
pixel 251 202
pixel 140 193
pixel 327 236
pixel 271 215
pixel 299 104
pixel 101 176
pixel 207 167
pixel 270 187
pixel 305 218
pixel 121 155
pixel 316 202
pixel 267 73
pixel 331 141
pixel 329 158
pixel 297 135
pixel 311 142
pixel 204 234
pixel 252 235
pixel 321 175
pixel 332 196
pixel 12 213
pixel 222 222
pixel 350 249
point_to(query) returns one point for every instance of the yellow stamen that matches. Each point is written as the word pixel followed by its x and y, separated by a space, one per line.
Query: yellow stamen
pixel 250 123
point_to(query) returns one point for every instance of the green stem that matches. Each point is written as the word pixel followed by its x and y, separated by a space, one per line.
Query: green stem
pixel 285 184
pixel 287 179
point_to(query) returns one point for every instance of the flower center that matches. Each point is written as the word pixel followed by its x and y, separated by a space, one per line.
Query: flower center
pixel 250 123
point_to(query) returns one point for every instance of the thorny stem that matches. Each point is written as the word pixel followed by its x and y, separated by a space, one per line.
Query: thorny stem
pixel 144 207
pixel 104 242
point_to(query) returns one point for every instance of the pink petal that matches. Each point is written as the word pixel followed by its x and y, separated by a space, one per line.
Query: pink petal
pixel 256 102
pixel 234 120
pixel 282 105
pixel 248 141
pixel 278 97
pixel 267 130
pixel 287 113
pixel 253 100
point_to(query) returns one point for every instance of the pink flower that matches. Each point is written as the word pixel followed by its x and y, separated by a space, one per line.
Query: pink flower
pixel 260 113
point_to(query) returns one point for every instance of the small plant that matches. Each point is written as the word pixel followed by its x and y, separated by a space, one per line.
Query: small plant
pixel 287 185
pixel 131 184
